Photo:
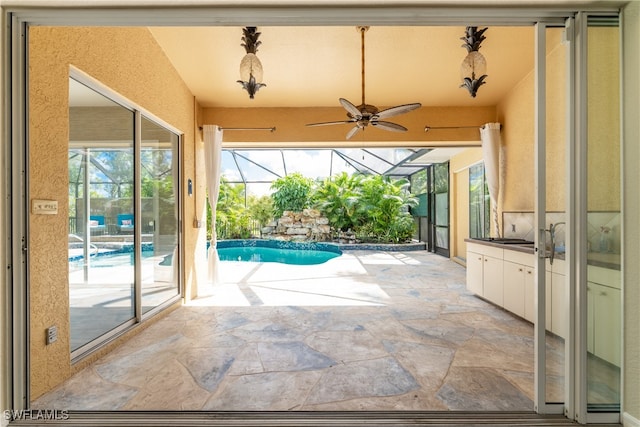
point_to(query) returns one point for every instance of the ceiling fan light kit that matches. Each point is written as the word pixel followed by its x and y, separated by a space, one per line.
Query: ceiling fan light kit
pixel 250 66
pixel 473 70
pixel 365 114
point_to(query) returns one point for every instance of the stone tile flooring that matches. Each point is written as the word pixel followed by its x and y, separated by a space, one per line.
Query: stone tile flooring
pixel 365 331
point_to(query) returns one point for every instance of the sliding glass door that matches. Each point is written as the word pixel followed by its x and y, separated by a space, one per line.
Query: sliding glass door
pixel 123 217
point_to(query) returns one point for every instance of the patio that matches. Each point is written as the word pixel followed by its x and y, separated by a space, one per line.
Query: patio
pixel 365 331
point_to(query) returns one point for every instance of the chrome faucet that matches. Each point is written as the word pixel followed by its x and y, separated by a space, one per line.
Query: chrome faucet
pixel 552 234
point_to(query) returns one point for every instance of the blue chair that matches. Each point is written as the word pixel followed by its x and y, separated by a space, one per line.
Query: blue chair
pixel 125 223
pixel 97 224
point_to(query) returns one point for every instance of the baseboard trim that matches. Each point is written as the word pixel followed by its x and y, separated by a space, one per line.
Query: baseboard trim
pixel 629 421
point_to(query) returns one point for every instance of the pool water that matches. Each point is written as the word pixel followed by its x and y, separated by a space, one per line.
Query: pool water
pixel 285 256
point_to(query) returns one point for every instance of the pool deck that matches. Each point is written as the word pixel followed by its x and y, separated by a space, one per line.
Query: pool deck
pixel 365 331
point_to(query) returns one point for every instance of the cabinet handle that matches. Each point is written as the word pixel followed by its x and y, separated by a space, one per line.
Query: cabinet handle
pixel 603 293
pixel 519 269
pixel 479 258
pixel 529 272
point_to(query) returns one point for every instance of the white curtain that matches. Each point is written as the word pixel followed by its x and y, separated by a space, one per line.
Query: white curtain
pixel 213 156
pixel 490 137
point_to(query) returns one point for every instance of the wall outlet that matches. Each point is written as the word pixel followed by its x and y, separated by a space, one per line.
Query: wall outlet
pixel 52 334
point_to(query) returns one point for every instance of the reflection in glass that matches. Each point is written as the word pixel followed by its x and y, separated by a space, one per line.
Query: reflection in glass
pixel 479 203
pixel 101 266
pixel 159 221
pixel 557 314
pixel 604 279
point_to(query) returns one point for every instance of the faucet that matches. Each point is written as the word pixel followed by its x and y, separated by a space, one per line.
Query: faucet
pixel 552 233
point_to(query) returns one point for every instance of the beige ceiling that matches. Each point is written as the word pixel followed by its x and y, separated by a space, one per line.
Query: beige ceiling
pixel 314 66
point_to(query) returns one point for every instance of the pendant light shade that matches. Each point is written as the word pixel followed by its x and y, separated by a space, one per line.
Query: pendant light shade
pixel 250 66
pixel 473 70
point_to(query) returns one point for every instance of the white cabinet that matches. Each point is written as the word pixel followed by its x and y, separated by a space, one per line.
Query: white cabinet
pixel 519 283
pixel 484 271
pixel 519 287
pixel 557 315
pixel 474 273
pixel 492 279
pixel 604 305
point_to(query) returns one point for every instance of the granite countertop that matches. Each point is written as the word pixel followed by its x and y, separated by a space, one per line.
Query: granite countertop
pixel 518 247
pixel 605 260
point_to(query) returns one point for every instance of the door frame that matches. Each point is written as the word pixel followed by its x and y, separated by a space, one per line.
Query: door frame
pixel 15 117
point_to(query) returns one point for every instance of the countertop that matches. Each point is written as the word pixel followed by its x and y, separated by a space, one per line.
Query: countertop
pixel 606 260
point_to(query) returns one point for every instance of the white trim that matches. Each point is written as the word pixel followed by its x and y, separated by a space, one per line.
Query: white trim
pixel 630 421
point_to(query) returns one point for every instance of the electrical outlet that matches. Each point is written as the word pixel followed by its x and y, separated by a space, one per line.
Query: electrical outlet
pixel 52 334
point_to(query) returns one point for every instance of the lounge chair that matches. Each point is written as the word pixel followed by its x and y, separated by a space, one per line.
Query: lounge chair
pixel 97 224
pixel 125 223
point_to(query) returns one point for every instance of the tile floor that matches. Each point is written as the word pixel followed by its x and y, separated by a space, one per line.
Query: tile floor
pixel 365 331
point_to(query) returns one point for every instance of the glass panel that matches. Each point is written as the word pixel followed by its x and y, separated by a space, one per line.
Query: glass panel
pixel 557 313
pixel 310 163
pixel 604 281
pixel 159 221
pixel 101 263
pixel 479 203
pixel 229 167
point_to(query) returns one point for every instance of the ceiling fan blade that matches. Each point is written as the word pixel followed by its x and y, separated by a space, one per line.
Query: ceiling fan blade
pixel 353 131
pixel 351 109
pixel 394 111
pixel 394 127
pixel 342 122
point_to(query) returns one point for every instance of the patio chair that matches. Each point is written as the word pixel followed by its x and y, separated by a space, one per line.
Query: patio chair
pixel 124 223
pixel 97 224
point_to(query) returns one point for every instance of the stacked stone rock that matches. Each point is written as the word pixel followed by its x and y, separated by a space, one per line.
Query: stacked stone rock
pixel 308 225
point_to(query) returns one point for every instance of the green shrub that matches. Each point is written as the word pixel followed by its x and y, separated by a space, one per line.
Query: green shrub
pixel 291 193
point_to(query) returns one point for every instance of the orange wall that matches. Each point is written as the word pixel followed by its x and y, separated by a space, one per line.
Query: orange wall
pixel 108 55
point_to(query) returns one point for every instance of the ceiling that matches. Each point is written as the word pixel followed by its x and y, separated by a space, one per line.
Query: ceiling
pixel 314 66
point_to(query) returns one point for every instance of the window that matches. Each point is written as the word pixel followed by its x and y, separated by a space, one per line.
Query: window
pixel 479 203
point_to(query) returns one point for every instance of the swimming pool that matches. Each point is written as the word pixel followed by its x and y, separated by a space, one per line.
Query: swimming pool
pixel 276 251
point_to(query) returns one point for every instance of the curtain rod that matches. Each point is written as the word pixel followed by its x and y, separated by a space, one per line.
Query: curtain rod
pixel 271 129
pixel 428 128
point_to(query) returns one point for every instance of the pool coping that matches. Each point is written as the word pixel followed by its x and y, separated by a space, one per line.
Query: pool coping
pixel 326 246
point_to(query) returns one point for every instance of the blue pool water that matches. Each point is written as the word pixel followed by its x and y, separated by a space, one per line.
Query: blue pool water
pixel 285 256
pixel 276 251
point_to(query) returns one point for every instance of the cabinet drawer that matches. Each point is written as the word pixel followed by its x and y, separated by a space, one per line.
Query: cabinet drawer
pixel 519 257
pixel 485 250
pixel 604 276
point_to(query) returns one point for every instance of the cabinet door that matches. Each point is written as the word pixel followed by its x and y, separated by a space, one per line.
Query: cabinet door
pixel 559 311
pixel 514 291
pixel 590 316
pixel 529 294
pixel 474 273
pixel 607 323
pixel 492 275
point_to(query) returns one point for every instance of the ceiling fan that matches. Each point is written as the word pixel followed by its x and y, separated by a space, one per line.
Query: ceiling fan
pixel 365 114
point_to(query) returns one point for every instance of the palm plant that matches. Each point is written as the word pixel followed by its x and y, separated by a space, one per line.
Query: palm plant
pixel 337 198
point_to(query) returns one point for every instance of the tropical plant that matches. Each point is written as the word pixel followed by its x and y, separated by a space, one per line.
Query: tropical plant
pixel 337 198
pixel 382 201
pixel 233 220
pixel 261 209
pixel 291 193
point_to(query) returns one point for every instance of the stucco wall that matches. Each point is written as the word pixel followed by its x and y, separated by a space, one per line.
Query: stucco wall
pixel 290 124
pixel 516 110
pixel 128 61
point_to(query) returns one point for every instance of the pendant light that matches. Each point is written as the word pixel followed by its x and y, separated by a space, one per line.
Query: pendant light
pixel 474 67
pixel 250 66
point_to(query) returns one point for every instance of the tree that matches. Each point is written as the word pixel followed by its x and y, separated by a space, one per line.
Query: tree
pixel 291 193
